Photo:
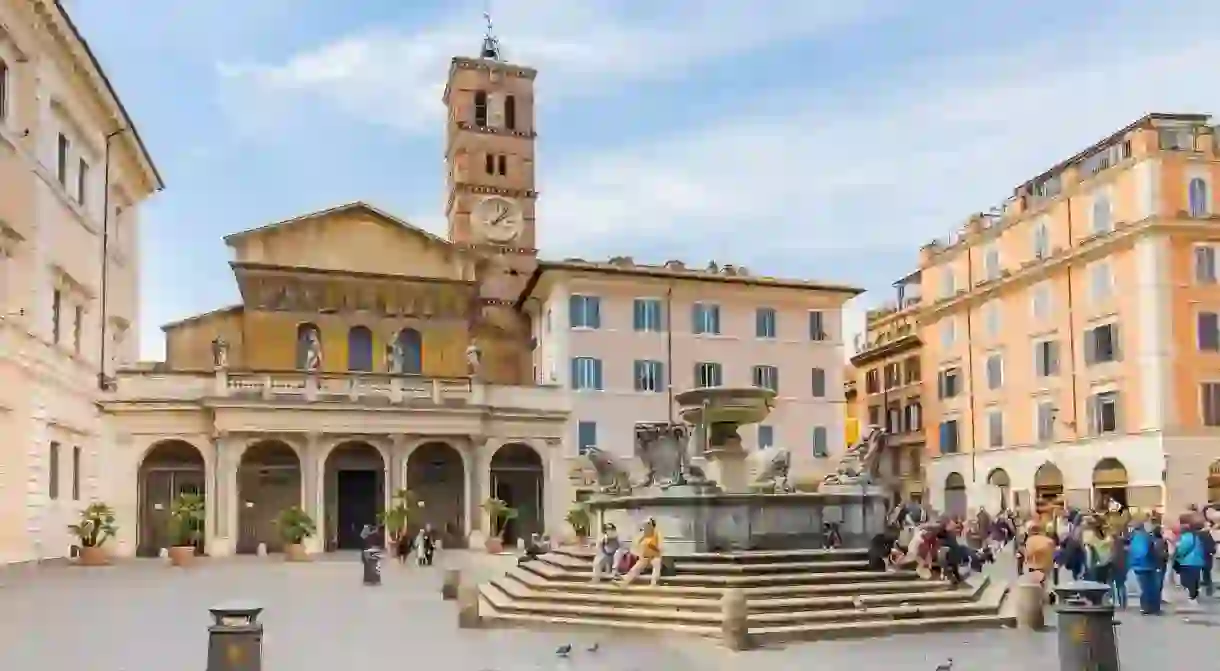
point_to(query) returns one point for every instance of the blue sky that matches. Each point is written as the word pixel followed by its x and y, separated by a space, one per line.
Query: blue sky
pixel 797 137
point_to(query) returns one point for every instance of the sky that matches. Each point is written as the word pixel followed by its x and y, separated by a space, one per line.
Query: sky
pixel 800 138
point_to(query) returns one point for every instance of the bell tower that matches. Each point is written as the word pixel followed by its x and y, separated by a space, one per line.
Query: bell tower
pixel 490 200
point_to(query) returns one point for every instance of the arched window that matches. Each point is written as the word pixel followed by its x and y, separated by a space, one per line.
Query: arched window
pixel 1200 199
pixel 409 352
pixel 307 334
pixel 360 349
pixel 480 108
pixel 510 112
pixel 1101 214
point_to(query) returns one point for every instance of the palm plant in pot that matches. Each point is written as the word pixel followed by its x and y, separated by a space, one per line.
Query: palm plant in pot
pixel 186 519
pixel 95 527
pixel 499 514
pixel 295 526
pixel 579 519
pixel 398 518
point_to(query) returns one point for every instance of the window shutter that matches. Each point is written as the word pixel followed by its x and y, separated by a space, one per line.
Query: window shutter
pixel 594 307
pixel 1052 357
pixel 696 324
pixel 1091 413
pixel 1208 328
pixel 1116 342
pixel 597 374
pixel 1090 339
pixel 575 384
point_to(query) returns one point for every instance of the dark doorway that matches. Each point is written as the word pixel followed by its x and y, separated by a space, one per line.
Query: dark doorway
pixel 357 506
pixel 268 482
pixel 437 476
pixel 517 480
pixel 171 468
pixel 355 493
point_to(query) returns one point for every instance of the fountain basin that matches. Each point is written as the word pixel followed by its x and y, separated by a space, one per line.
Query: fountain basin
pixel 725 405
pixel 692 522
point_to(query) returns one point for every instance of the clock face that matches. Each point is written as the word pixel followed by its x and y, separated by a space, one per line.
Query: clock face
pixel 498 218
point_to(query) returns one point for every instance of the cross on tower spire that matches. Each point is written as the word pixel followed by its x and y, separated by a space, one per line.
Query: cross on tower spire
pixel 491 45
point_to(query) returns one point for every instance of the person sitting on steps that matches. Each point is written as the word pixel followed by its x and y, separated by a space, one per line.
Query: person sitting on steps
pixel 649 550
pixel 608 554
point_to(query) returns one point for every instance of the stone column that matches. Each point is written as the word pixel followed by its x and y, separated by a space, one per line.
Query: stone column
pixel 478 485
pixel 312 490
pixel 228 459
pixel 398 467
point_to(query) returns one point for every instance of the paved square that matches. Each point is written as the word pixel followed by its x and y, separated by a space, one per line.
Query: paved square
pixel 145 616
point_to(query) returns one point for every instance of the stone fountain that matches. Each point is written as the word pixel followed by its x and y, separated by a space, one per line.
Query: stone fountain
pixel 708 494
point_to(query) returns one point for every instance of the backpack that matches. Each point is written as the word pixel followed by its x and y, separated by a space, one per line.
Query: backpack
pixel 1209 544
pixel 1160 550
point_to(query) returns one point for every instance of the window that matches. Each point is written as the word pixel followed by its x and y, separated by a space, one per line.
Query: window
pixel 480 108
pixel 912 417
pixel 1103 412
pixel 586 436
pixel 766 377
pixel 1205 264
pixel 585 312
pixel 57 301
pixel 1040 301
pixel 893 419
pixel 1208 332
pixel 991 319
pixel 649 376
pixel 53 471
pixel 817 325
pixel 991 262
pixel 766 435
pixel 874 415
pixel 948 383
pixel 360 349
pixel 995 371
pixel 502 164
pixel 78 322
pixel 1102 220
pixel 1046 421
pixel 995 428
pixel 872 381
pixel 1042 240
pixel 948 437
pixel 1046 358
pixel 1198 197
pixel 764 323
pixel 4 89
pixel 893 375
pixel 510 112
pixel 586 373
pixel 1101 344
pixel 1101 281
pixel 705 319
pixel 489 163
pixel 82 182
pixel 61 160
pixel 818 384
pixel 912 368
pixel 948 332
pixel 948 283
pixel 1209 394
pixel 646 315
pixel 76 473
pixel 821 447
pixel 708 374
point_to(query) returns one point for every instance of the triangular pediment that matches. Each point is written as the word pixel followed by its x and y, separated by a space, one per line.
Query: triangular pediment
pixel 355 237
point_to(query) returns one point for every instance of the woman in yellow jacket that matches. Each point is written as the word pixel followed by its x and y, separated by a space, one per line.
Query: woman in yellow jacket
pixel 648 549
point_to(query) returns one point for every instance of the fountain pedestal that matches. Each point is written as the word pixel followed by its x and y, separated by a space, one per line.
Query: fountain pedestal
pixel 726 466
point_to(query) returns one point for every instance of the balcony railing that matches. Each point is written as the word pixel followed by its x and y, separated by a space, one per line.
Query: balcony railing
pixel 379 389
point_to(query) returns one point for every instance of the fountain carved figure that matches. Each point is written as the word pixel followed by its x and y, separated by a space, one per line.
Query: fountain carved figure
pixel 858 465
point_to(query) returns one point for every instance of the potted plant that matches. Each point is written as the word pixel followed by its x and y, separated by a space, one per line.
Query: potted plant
pixel 295 526
pixel 398 518
pixel 186 518
pixel 96 526
pixel 578 518
pixel 499 514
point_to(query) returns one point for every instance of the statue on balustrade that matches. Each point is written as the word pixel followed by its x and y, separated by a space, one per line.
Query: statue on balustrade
pixel 313 352
pixel 220 353
pixel 397 354
pixel 474 360
pixel 612 477
pixel 859 464
pixel 662 448
pixel 390 359
pixel 774 464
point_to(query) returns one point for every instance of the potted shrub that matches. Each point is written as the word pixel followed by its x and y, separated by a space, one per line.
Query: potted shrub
pixel 578 518
pixel 398 519
pixel 96 526
pixel 498 516
pixel 295 526
pixel 186 518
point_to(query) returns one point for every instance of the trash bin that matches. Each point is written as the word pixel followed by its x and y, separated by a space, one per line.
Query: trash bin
pixel 1086 627
pixel 371 559
pixel 235 638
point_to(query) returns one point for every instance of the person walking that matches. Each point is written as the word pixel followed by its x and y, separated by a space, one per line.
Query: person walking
pixel 1146 565
pixel 1119 567
pixel 1189 557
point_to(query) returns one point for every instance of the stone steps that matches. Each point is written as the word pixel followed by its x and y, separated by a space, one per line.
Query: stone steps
pixel 818 564
pixel 572 570
pixel 760 557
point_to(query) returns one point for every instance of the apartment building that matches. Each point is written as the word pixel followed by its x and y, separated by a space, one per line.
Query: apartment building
pixel 626 337
pixel 889 388
pixel 72 173
pixel 851 409
pixel 1070 336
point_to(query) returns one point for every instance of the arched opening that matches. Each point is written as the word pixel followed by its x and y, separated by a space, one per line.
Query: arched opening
pixel 1213 482
pixel 355 493
pixel 517 479
pixel 360 349
pixel 437 477
pixel 170 468
pixel 307 334
pixel 1109 483
pixel 510 112
pixel 480 108
pixel 268 482
pixel 956 502
pixel 408 352
pixel 1001 489
pixel 1048 487
pixel 1199 198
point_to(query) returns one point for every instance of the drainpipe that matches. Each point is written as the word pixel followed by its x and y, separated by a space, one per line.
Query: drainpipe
pixel 669 349
pixel 103 383
pixel 974 467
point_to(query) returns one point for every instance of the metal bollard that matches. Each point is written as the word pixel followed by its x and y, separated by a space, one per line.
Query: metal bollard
pixel 1086 627
pixel 734 630
pixel 235 638
pixel 1030 604
pixel 449 587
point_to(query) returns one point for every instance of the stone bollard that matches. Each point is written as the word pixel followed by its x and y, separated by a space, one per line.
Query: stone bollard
pixel 164 553
pixel 468 607
pixel 450 584
pixel 235 638
pixel 521 544
pixel 734 630
pixel 1030 605
pixel 262 550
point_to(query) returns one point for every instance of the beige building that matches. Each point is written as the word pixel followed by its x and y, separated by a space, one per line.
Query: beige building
pixel 1070 335
pixel 72 175
pixel 368 356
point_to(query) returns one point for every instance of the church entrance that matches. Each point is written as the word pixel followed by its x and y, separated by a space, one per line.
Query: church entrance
pixel 437 477
pixel 355 493
pixel 517 480
pixel 268 482
pixel 170 468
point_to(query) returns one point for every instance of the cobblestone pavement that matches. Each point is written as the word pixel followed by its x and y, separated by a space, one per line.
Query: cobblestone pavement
pixel 144 616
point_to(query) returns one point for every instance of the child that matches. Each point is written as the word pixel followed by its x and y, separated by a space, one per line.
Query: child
pixel 608 554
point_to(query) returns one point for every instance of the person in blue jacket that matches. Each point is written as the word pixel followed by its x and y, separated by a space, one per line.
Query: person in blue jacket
pixel 1189 555
pixel 1143 562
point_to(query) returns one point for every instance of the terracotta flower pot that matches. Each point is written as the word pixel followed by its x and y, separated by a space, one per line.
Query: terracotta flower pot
pixel 295 552
pixel 494 545
pixel 181 555
pixel 93 556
